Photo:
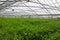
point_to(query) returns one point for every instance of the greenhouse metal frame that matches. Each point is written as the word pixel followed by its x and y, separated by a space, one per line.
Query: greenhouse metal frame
pixel 30 8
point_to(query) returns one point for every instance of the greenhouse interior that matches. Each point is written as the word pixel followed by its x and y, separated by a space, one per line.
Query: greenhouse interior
pixel 30 8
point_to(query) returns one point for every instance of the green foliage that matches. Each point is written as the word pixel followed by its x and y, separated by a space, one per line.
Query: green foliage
pixel 29 29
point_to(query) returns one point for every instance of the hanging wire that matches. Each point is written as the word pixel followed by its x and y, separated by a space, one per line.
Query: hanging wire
pixel 57 11
pixel 54 9
pixel 30 8
pixel 57 4
pixel 50 6
pixel 50 9
pixel 46 5
pixel 38 7
pixel 7 3
pixel 43 6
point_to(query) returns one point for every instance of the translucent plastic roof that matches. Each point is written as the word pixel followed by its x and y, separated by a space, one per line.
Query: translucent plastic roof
pixel 33 7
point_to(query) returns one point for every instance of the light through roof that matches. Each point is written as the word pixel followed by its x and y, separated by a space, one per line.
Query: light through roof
pixel 29 7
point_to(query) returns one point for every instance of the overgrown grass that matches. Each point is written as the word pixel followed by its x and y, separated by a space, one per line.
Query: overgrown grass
pixel 29 29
